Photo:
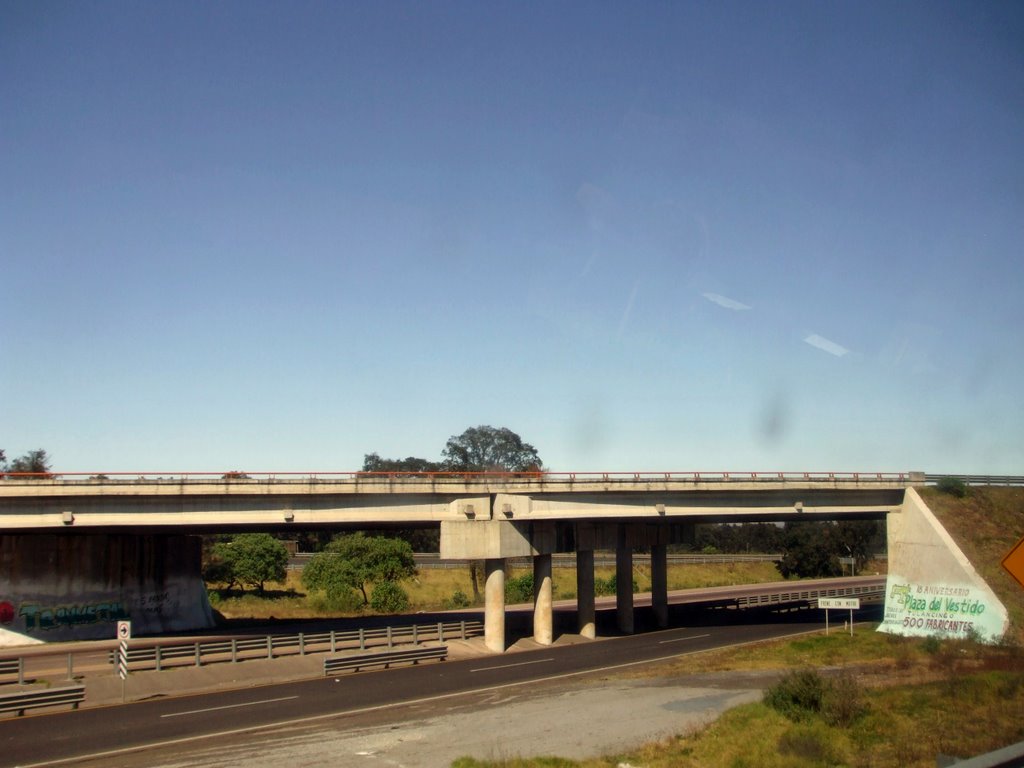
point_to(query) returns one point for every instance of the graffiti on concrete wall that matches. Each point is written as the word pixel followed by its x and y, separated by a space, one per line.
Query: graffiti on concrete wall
pixel 943 610
pixel 39 616
pixel 43 617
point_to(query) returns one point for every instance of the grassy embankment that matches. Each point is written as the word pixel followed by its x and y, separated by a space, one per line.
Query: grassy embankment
pixel 913 698
pixel 433 588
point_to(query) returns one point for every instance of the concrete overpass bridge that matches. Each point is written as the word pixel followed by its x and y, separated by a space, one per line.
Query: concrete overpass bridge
pixel 486 516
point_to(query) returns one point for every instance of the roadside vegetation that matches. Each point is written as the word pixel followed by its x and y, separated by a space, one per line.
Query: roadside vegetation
pixel 873 700
pixel 435 589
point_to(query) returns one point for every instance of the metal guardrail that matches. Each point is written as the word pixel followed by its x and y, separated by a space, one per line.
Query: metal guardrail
pixel 1011 480
pixel 560 560
pixel 806 595
pixel 235 650
pixel 359 661
pixel 241 477
pixel 19 701
pixel 13 667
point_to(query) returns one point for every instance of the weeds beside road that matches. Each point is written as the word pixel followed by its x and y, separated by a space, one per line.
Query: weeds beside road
pixel 873 700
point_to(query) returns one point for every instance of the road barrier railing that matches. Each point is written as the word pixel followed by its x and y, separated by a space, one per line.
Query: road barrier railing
pixel 357 661
pixel 163 655
pixel 13 667
pixel 315 477
pixel 563 560
pixel 867 591
pixel 19 701
pixel 1012 480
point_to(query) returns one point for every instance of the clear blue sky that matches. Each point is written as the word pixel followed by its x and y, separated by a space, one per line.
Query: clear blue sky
pixel 661 236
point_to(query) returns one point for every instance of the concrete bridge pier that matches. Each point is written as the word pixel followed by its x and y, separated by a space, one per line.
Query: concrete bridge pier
pixel 624 579
pixel 659 584
pixel 494 604
pixel 585 613
pixel 542 600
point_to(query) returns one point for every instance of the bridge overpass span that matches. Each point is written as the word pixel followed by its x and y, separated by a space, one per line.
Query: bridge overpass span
pixel 486 516
pixel 198 502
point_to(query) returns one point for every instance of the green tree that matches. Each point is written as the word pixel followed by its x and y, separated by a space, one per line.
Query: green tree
pixel 355 561
pixel 490 449
pixel 811 550
pixel 372 462
pixel 34 462
pixel 251 559
pixel 389 597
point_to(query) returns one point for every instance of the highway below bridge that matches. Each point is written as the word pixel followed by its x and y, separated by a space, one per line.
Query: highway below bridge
pixel 175 731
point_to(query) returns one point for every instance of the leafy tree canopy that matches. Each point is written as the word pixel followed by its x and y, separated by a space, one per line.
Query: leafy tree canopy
pixel 354 561
pixel 251 559
pixel 37 462
pixel 487 449
pixel 372 462
pixel 812 549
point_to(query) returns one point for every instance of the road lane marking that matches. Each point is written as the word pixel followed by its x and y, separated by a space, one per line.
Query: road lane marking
pixel 680 639
pixel 228 706
pixel 506 666
pixel 379 707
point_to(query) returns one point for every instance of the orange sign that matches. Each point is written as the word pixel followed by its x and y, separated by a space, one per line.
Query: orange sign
pixel 1014 562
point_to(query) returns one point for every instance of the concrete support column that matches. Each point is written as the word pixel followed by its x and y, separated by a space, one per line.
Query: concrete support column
pixel 585 593
pixel 494 605
pixel 542 595
pixel 659 584
pixel 624 581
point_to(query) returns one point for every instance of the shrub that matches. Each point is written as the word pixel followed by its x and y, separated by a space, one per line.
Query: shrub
pixel 610 585
pixel 459 599
pixel 336 601
pixel 798 695
pixel 931 644
pixel 519 589
pixel 844 701
pixel 954 486
pixel 389 597
pixel 811 742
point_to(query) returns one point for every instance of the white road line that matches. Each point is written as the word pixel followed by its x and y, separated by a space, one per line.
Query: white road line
pixel 680 639
pixel 228 706
pixel 506 666
pixel 411 702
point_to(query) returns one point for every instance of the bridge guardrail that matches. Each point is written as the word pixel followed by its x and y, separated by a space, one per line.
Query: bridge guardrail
pixel 869 591
pixel 235 650
pixel 1010 480
pixel 558 560
pixel 239 477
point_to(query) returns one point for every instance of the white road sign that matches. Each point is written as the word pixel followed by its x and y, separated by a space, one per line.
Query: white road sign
pixel 847 603
pixel 124 630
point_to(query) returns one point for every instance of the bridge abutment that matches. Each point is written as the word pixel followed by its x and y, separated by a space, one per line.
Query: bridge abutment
pixel 77 587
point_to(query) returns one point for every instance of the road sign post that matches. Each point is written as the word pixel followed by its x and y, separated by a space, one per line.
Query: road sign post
pixel 851 603
pixel 124 634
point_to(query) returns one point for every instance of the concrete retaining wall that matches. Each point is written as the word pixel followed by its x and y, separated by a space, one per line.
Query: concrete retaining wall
pixel 932 588
pixel 55 588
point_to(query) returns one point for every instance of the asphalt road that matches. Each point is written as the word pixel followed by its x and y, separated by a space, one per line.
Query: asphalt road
pixel 73 736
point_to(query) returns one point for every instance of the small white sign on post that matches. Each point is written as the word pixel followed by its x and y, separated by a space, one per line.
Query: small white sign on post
pixel 124 630
pixel 851 603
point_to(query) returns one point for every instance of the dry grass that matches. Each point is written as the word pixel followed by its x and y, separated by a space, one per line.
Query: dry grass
pixel 432 588
pixel 922 698
pixel 986 524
